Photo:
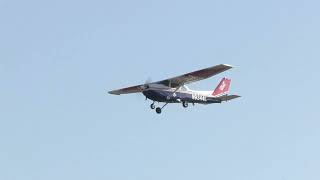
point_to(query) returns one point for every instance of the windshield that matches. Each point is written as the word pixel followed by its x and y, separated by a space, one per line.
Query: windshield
pixel 184 88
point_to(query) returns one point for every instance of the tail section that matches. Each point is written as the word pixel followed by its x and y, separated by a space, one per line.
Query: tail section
pixel 222 88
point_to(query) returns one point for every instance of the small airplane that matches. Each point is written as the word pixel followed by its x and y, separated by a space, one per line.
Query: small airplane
pixel 174 90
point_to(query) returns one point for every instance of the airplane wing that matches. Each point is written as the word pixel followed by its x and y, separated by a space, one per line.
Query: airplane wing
pixel 177 81
pixel 194 76
pixel 128 90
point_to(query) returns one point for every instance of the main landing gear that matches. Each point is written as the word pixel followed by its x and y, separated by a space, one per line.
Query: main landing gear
pixel 185 104
pixel 158 109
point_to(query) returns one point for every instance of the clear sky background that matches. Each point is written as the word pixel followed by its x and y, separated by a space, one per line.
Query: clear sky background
pixel 59 58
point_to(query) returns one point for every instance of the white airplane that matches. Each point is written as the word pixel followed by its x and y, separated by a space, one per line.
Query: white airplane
pixel 174 90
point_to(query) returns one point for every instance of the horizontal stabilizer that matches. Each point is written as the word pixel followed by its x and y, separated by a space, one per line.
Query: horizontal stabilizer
pixel 228 97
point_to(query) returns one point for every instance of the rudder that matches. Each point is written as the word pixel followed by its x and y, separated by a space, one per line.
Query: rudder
pixel 222 88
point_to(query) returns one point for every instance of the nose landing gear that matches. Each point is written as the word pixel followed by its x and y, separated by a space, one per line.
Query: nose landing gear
pixel 152 106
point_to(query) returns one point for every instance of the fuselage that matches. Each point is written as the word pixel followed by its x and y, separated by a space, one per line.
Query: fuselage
pixel 172 96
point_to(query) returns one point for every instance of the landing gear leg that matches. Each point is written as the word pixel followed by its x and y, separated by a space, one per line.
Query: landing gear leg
pixel 159 110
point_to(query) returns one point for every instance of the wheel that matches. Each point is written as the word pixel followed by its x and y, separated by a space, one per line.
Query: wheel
pixel 152 106
pixel 185 104
pixel 158 110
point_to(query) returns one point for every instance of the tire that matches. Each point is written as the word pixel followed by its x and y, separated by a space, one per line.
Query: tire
pixel 158 110
pixel 185 104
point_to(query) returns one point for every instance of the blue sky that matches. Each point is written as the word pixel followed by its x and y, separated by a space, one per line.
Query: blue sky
pixel 59 58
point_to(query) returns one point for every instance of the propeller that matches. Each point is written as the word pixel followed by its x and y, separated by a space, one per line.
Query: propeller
pixel 146 85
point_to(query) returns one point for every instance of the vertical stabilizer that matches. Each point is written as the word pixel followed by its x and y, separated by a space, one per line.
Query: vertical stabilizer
pixel 222 88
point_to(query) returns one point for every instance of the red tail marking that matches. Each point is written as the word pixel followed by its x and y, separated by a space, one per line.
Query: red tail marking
pixel 223 87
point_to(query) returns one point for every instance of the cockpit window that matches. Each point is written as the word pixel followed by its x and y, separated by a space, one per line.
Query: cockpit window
pixel 183 88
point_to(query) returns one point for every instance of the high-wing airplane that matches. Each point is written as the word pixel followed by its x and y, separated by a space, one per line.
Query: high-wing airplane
pixel 174 90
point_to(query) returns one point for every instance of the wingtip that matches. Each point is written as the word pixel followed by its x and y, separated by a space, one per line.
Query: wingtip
pixel 228 65
pixel 113 93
